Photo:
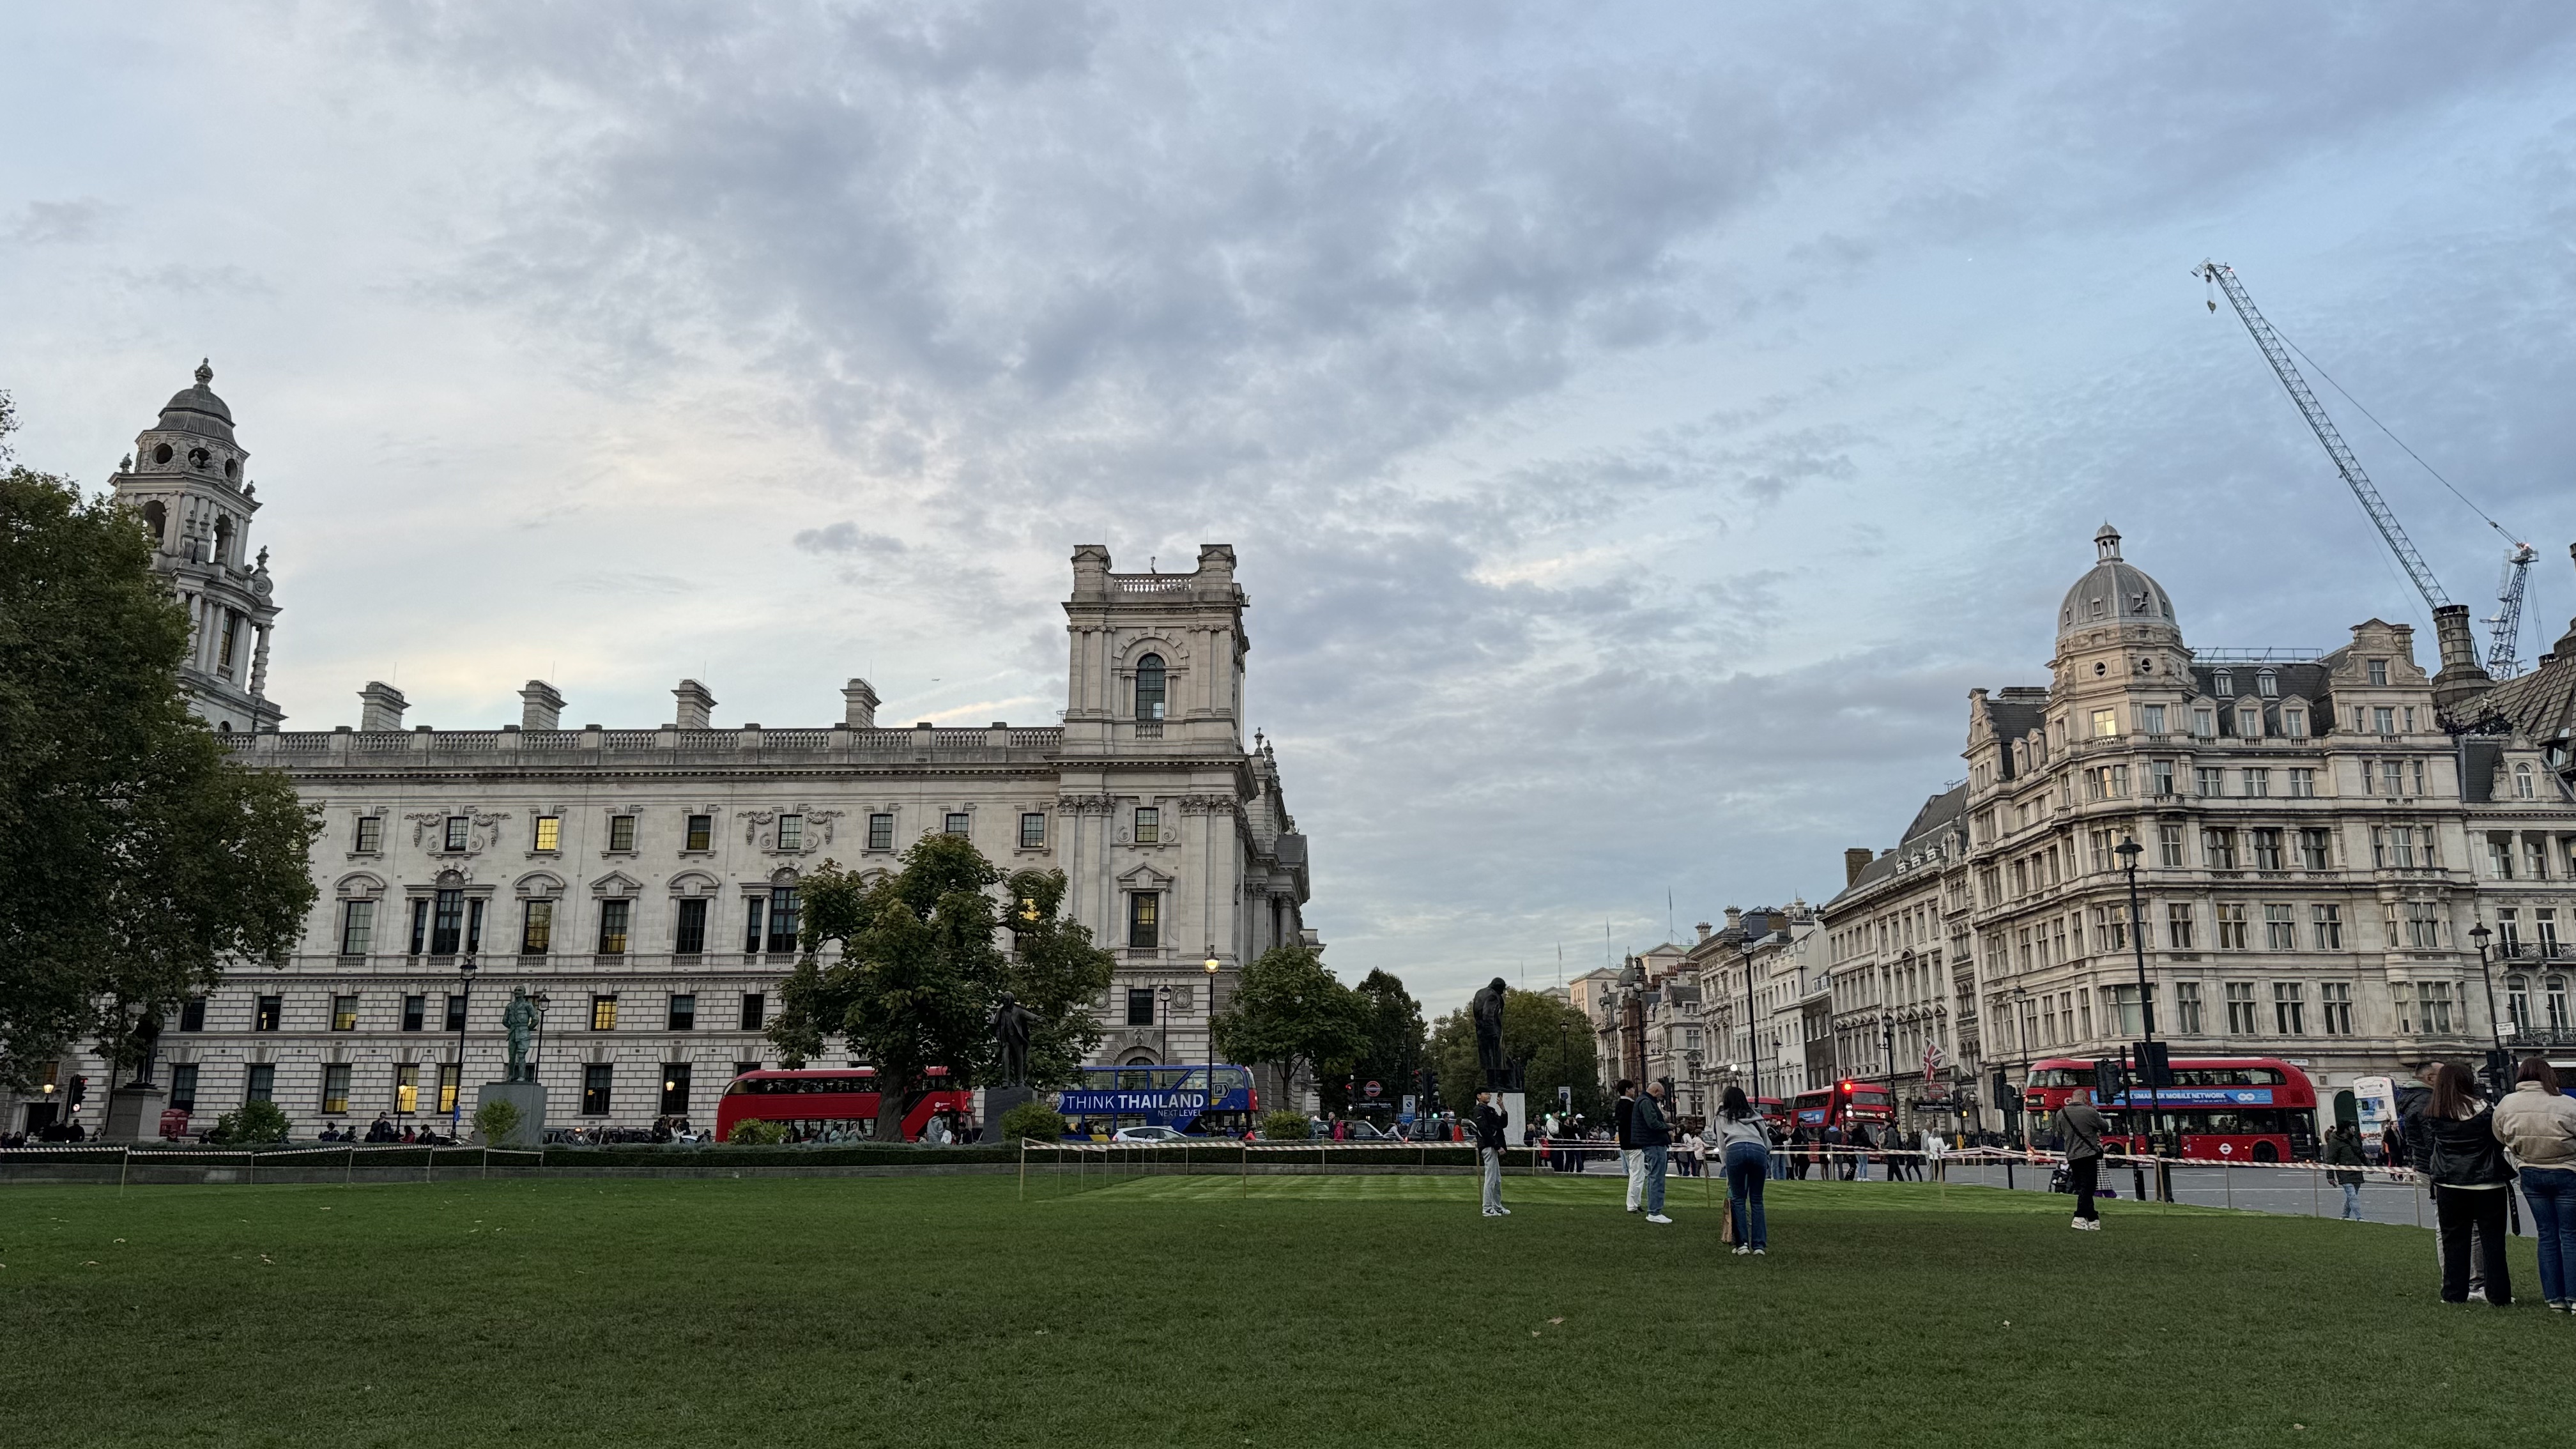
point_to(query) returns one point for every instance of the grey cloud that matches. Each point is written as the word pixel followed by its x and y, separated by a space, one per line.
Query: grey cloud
pixel 845 538
pixel 52 223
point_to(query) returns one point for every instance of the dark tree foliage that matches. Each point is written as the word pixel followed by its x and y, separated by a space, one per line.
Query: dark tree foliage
pixel 1290 1012
pixel 1391 1021
pixel 920 969
pixel 137 859
pixel 1549 1037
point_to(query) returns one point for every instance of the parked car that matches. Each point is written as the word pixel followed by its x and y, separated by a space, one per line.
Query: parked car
pixel 1357 1131
pixel 1149 1135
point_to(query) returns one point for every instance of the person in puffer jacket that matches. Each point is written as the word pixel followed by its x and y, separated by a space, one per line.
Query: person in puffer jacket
pixel 2537 1125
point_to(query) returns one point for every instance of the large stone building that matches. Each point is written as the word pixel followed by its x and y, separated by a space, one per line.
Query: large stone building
pixel 644 878
pixel 2319 838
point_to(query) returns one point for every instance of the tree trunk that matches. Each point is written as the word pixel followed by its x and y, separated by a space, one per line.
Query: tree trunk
pixel 894 1098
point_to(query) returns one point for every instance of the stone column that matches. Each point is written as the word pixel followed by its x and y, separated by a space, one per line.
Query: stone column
pixel 259 663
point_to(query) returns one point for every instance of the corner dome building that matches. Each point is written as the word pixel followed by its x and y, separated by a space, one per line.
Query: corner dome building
pixel 189 479
pixel 2115 592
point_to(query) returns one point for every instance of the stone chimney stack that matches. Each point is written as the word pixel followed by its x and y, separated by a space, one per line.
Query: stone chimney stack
pixel 1703 930
pixel 380 707
pixel 2461 679
pixel 697 706
pixel 859 705
pixel 1856 860
pixel 540 707
pixel 1734 918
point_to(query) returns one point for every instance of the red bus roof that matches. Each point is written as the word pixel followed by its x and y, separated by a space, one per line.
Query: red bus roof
pixel 767 1072
pixel 2178 1063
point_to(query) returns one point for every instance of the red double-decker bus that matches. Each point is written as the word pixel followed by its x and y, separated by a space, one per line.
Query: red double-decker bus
pixel 1841 1104
pixel 817 1099
pixel 2226 1109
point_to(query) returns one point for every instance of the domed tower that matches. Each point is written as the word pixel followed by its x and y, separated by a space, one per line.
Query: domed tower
pixel 2116 633
pixel 188 478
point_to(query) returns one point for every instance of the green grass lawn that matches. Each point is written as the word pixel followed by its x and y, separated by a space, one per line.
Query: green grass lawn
pixel 1377 1311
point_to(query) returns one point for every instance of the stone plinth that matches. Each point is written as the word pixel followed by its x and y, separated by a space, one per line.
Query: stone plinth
pixel 529 1098
pixel 998 1100
pixel 134 1113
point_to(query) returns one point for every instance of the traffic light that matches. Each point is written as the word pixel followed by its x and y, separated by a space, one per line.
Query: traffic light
pixel 80 1089
pixel 2499 1072
pixel 2110 1080
pixel 2154 1063
pixel 2005 1096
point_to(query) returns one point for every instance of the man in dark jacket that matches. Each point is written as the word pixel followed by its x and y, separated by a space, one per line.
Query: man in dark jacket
pixel 1491 1123
pixel 1654 1135
pixel 1623 1114
pixel 2079 1126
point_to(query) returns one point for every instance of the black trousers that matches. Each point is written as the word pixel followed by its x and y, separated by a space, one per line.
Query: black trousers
pixel 2087 1171
pixel 2460 1210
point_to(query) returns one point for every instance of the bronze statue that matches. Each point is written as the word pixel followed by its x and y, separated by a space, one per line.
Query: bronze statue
pixel 1487 1009
pixel 1011 1025
pixel 519 1018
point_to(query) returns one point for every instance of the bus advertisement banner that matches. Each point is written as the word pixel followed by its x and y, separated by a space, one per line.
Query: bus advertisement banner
pixel 1158 1104
pixel 2182 1097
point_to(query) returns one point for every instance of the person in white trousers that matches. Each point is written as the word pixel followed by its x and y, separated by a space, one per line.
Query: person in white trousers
pixel 1631 1157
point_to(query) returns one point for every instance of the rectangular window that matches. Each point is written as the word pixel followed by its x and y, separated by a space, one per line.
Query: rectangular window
pixel 2500 857
pixel 691 937
pixel 415 1013
pixel 2437 1004
pixel 344 1013
pixel 2316 849
pixel 2289 1012
pixel 371 835
pixel 2410 729
pixel 2267 849
pixel 1032 830
pixel 2258 784
pixel 2211 782
pixel 456 1002
pixel 684 1012
pixel 2106 723
pixel 2178 922
pixel 335 1088
pixel 2379 672
pixel 595 1080
pixel 2384 722
pixel 2218 847
pixel 2303 784
pixel 2241 1020
pixel 881 832
pixel 2294 723
pixel 2544 925
pixel 474 926
pixel 2402 995
pixel 2160 780
pixel 959 822
pixel 612 927
pixel 621 833
pixel 447 1076
pixel 537 928
pixel 2325 923
pixel 261 1086
pixel 2249 723
pixel 2401 846
pixel 2423 927
pixel 447 923
pixel 269 1011
pixel 603 1012
pixel 754 909
pixel 2268 685
pixel 456 828
pixel 192 1014
pixel 2151 718
pixel 675 1089
pixel 2280 927
pixel 183 1086
pixel 1149 825
pixel 783 918
pixel 407 1087
pixel 2334 1000
pixel 755 1007
pixel 2204 723
pixel 549 833
pixel 1140 1006
pixel 1144 921
pixel 701 833
pixel 2121 1006
pixel 357 927
pixel 791 832
pixel 2224 685
pixel 2233 928
pixel 2187 1008
pixel 2169 846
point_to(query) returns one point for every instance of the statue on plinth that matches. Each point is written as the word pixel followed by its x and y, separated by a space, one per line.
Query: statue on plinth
pixel 519 1019
pixel 1012 1024
pixel 1486 1007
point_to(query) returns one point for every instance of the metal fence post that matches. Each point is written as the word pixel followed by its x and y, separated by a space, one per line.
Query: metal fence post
pixel 2227 1179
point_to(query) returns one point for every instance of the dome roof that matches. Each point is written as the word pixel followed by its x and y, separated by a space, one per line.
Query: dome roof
pixel 197 410
pixel 2114 592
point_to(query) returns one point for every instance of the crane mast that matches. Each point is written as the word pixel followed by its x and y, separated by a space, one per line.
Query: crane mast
pixel 2277 352
pixel 2506 642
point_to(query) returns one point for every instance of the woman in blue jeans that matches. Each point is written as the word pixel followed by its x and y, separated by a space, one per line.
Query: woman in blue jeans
pixel 2537 1125
pixel 1744 1146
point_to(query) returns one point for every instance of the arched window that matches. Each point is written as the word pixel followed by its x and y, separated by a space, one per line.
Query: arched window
pixel 223 540
pixel 159 518
pixel 1149 687
pixel 2517 1002
pixel 2557 988
pixel 2522 782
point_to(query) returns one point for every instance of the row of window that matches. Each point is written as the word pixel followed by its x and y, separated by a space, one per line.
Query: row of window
pixel 598 1082
pixel 2065 1018
pixel 268 1013
pixel 698 832
pixel 2408 925
pixel 2533 860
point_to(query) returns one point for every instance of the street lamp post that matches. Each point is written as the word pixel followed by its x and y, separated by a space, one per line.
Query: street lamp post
pixel 1163 1013
pixel 456 1105
pixel 2129 851
pixel 1752 1043
pixel 1211 965
pixel 2021 1129
pixel 2495 1029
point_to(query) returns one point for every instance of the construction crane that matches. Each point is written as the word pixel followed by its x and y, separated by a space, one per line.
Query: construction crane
pixel 2503 646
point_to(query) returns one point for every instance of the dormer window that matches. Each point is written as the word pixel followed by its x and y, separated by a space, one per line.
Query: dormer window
pixel 2522 786
pixel 2379 672
pixel 2226 685
pixel 1149 687
pixel 2098 607
pixel 2268 685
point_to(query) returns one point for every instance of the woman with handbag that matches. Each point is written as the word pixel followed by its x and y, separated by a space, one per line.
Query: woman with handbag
pixel 2537 1125
pixel 1744 1151
pixel 2472 1183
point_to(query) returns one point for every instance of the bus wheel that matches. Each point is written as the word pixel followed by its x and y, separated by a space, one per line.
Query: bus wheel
pixel 2266 1152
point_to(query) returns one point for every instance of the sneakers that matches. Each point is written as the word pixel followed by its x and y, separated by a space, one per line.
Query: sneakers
pixel 1502 1212
pixel 1741 1250
pixel 2478 1295
pixel 1757 1252
pixel 2087 1225
pixel 1657 1218
pixel 1636 1209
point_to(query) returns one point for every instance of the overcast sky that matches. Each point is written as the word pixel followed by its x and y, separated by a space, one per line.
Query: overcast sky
pixel 1639 427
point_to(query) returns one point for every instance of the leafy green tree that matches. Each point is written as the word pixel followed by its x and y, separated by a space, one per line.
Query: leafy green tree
pixel 920 970
pixel 1033 1119
pixel 137 858
pixel 1551 1040
pixel 1290 1012
pixel 252 1122
pixel 1391 1023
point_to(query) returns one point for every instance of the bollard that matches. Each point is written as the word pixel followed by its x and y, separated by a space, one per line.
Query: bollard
pixel 2227 1179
